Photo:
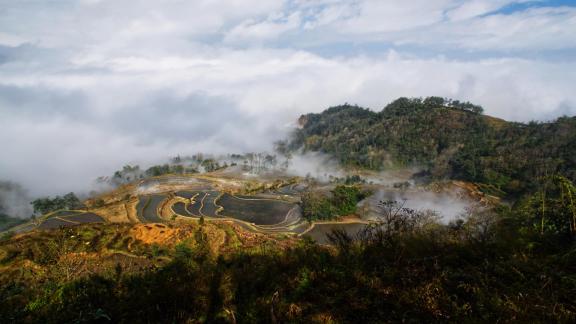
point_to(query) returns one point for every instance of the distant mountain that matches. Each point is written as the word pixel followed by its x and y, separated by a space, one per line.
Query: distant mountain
pixel 450 139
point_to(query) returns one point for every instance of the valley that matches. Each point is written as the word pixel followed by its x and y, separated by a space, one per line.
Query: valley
pixel 268 205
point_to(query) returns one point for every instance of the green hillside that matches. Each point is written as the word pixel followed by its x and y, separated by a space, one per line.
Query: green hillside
pixel 449 139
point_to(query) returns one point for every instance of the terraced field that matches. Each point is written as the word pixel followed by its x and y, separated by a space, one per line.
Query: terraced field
pixel 172 183
pixel 23 228
pixel 85 218
pixel 269 212
pixel 66 213
pixel 292 189
pixel 254 210
pixel 180 209
pixel 209 207
pixel 69 218
pixel 51 223
pixel 186 194
pixel 173 180
pixel 148 208
pixel 255 213
pixel 194 208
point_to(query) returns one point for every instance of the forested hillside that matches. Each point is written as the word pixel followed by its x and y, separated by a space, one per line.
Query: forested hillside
pixel 450 139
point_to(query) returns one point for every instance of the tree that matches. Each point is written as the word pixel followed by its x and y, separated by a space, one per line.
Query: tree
pixel 316 206
pixel 395 219
pixel 434 102
pixel 46 205
pixel 345 198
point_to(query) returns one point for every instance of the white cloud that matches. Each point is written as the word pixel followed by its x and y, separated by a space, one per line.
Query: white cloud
pixel 532 29
pixel 88 86
pixel 113 23
pixel 475 8
pixel 270 28
pixel 455 24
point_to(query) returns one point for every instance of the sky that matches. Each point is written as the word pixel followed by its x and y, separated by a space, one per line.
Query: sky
pixel 87 86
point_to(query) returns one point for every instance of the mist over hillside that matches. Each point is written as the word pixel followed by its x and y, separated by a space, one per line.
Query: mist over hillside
pixel 434 138
pixel 14 200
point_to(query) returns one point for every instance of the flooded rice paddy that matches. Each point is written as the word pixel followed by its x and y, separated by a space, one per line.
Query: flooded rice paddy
pixel 148 206
pixel 69 218
pixel 254 210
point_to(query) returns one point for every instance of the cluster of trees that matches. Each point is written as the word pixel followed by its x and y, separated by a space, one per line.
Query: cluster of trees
pixel 128 174
pixel 45 205
pixel 258 162
pixel 450 139
pixel 438 102
pixel 251 162
pixel 341 201
pixel 131 173
pixel 162 169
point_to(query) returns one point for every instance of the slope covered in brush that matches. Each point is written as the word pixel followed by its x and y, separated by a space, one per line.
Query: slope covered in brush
pixel 449 138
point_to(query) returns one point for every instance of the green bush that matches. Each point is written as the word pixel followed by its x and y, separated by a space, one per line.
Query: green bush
pixel 341 202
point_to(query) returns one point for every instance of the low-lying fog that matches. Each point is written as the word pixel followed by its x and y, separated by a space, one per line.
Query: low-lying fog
pixel 448 205
pixel 15 200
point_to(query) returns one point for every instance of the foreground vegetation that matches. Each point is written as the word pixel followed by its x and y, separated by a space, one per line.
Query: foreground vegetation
pixel 510 264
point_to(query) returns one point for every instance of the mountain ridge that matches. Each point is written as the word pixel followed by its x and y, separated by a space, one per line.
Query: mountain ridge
pixel 454 141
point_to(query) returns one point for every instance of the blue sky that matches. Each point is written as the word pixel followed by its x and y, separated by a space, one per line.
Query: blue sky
pixel 519 6
pixel 108 82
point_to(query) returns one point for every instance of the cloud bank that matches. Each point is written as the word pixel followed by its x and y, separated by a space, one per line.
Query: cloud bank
pixel 87 86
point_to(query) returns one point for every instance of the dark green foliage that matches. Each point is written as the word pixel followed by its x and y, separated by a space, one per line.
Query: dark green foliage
pixel 341 202
pixel 316 206
pixel 465 272
pixel 450 139
pixel 345 198
pixel 549 213
pixel 46 205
